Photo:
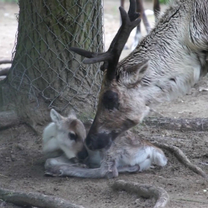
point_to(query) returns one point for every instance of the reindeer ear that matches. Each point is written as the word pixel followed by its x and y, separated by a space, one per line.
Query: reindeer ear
pixel 139 68
pixel 142 69
pixel 135 74
pixel 55 116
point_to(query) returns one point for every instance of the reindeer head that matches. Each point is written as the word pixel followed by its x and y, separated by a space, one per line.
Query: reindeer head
pixel 70 134
pixel 116 111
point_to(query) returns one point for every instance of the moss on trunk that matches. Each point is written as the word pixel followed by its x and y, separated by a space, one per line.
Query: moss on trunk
pixel 44 72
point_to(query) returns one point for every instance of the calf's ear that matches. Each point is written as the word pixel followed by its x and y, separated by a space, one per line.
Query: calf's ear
pixel 55 116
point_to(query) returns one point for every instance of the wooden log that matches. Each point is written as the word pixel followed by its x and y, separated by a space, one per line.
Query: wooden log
pixel 34 199
pixel 180 124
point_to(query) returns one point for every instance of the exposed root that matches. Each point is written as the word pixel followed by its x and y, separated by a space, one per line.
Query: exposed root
pixel 34 200
pixel 142 190
pixel 5 62
pixel 8 119
pixel 4 72
pixel 178 153
pixel 181 124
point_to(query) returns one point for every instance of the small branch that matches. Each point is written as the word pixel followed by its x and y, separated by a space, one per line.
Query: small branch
pixel 5 62
pixel 2 78
pixel 182 158
pixel 142 190
pixel 191 200
pixel 4 72
pixel 9 119
pixel 35 199
pixel 181 124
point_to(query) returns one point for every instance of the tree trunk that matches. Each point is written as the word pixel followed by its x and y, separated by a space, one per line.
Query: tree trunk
pixel 44 73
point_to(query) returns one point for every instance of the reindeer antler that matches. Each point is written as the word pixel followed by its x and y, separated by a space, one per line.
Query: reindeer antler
pixel 111 57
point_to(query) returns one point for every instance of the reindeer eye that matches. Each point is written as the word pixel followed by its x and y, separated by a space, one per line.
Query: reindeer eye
pixel 110 100
pixel 72 136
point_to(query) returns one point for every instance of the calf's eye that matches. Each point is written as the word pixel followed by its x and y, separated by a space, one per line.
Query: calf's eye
pixel 72 136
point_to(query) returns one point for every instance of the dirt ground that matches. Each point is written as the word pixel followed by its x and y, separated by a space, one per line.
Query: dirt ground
pixel 22 161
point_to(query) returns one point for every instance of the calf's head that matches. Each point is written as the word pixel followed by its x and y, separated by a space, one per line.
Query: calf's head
pixel 70 134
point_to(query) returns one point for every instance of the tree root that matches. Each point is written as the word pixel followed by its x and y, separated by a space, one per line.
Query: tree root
pixel 5 62
pixel 8 119
pixel 181 124
pixel 35 200
pixel 142 190
pixel 178 153
pixel 44 201
pixel 4 72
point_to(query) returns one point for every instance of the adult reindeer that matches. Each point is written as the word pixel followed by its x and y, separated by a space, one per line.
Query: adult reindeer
pixel 164 66
pixel 140 10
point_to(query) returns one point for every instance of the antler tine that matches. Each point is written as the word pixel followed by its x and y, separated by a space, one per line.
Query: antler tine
pixel 129 22
pixel 131 13
pixel 83 52
pixel 111 57
pixel 92 56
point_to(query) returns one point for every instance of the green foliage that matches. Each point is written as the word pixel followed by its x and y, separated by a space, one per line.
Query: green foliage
pixel 164 1
pixel 9 1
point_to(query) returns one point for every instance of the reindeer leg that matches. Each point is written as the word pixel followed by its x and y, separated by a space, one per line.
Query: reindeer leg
pixel 129 169
pixel 62 166
pixel 68 170
pixel 156 8
pixel 138 35
pixel 114 171
pixel 111 165
pixel 62 160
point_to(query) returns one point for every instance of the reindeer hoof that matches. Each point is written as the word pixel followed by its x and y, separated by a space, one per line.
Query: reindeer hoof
pixel 54 173
pixel 48 173
pixel 112 173
pixel 134 169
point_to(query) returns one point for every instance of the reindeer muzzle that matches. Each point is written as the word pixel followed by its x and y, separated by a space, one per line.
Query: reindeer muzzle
pixel 83 154
pixel 99 141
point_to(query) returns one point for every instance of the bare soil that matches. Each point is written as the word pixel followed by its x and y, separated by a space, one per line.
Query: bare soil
pixel 22 161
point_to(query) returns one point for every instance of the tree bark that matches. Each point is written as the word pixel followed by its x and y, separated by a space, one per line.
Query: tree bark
pixel 44 73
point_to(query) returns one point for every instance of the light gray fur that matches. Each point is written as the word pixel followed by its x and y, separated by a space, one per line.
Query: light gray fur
pixel 176 49
pixel 128 153
pixel 57 141
pixel 164 66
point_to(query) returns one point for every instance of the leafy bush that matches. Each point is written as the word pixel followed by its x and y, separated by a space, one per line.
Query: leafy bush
pixel 9 1
pixel 164 1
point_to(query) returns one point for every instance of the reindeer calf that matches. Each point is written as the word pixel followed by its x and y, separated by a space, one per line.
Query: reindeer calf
pixel 64 137
pixel 127 154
